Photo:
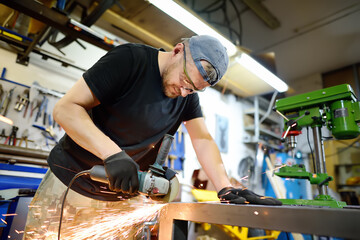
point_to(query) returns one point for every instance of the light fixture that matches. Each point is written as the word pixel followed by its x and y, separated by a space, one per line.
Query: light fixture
pixel 189 19
pixel 192 22
pixel 6 120
pixel 259 70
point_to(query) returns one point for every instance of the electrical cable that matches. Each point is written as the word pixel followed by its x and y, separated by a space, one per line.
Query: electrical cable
pixel 271 104
pixel 308 140
pixel 214 9
pixel 239 21
pixel 86 172
pixel 221 5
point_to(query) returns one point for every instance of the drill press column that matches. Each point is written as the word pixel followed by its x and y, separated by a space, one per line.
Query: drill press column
pixel 320 166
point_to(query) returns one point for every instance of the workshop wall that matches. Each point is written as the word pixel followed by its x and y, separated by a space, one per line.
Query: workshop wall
pixel 305 84
pixel 50 75
pixel 216 106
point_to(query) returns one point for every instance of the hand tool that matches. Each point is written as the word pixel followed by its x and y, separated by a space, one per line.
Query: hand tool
pixel 26 109
pixel 41 107
pixel 1 93
pixel 154 183
pixel 22 101
pixel 3 97
pixel 34 105
pixel 11 139
pixel 2 134
pixel 48 134
pixel 24 137
pixel 45 111
pixel 7 101
pixel 338 109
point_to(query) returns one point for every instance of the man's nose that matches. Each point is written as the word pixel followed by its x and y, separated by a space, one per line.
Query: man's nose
pixel 184 92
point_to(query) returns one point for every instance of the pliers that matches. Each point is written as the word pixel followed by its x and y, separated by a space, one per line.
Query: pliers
pixel 24 137
pixel 11 139
pixel 47 133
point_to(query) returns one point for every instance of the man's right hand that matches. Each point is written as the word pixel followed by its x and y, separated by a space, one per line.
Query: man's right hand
pixel 122 172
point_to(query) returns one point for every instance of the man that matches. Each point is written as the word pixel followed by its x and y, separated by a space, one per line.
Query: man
pixel 117 114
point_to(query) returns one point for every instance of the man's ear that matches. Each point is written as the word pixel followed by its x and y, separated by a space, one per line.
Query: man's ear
pixel 178 48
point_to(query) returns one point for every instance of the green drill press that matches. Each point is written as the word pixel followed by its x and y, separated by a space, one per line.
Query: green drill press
pixel 338 109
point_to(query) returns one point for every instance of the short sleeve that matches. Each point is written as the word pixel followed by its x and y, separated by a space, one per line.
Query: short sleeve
pixel 193 108
pixel 109 77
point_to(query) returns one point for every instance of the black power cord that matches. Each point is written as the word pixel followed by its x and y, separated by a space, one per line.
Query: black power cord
pixel 86 172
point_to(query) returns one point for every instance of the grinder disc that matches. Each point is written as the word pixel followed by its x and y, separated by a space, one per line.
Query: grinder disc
pixel 173 191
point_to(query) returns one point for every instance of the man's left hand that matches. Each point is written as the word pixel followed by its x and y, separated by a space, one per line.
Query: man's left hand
pixel 226 195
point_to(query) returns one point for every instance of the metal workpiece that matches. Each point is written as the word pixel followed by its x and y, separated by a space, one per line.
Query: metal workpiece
pixel 343 223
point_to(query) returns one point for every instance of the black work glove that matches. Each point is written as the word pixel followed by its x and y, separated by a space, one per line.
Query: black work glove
pixel 122 172
pixel 243 195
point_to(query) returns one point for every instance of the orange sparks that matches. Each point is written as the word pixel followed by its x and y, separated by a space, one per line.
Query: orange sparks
pixel 8 214
pixel 110 224
pixel 126 222
pixel 3 221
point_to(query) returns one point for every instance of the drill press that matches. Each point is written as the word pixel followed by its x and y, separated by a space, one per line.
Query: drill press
pixel 338 109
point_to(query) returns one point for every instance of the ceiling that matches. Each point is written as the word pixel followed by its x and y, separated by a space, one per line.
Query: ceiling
pixel 294 39
pixel 312 37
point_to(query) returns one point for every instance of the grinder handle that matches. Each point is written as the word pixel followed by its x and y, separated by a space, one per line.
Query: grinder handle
pixel 98 174
pixel 164 149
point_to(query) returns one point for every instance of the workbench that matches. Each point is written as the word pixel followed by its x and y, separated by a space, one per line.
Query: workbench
pixel 320 221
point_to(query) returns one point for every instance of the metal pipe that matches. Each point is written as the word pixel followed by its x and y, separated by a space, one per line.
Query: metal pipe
pixel 319 156
pixel 20 151
pixel 19 159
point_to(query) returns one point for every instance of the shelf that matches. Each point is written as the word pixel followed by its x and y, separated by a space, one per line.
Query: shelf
pixel 57 20
pixel 271 119
pixel 263 132
pixel 273 146
pixel 347 165
pixel 348 185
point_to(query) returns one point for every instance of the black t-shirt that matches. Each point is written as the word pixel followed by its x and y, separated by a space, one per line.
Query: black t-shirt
pixel 134 112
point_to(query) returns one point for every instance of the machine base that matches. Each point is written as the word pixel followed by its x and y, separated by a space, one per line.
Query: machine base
pixel 320 200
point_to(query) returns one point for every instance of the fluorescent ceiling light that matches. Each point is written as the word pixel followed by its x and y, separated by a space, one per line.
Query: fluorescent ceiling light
pixel 189 20
pixel 193 23
pixel 6 120
pixel 256 68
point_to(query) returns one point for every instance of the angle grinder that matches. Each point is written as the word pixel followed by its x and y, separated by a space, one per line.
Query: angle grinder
pixel 158 183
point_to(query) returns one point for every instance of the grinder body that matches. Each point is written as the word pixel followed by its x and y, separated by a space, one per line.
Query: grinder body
pixel 149 184
pixel 156 183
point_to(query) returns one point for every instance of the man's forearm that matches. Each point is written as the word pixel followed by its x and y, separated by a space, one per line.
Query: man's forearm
pixel 79 126
pixel 209 157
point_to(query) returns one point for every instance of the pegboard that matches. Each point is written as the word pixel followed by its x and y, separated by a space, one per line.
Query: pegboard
pixel 27 108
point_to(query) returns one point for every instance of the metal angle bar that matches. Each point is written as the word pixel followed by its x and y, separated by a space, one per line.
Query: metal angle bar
pixel 45 54
pixel 343 223
pixel 52 18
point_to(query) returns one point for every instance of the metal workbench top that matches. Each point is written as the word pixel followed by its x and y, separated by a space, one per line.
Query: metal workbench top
pixel 343 223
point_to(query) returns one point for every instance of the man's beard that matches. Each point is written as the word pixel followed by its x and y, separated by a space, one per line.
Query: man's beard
pixel 169 89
